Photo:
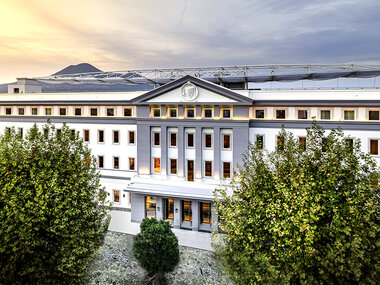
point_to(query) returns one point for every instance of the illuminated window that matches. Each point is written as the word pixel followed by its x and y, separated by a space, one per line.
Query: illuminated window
pixel 373 115
pixel 208 112
pixel 8 111
pixel 21 111
pixel 169 209
pixel 100 136
pixel 115 162
pixel 208 168
pixel 110 112
pixel 302 114
pixel 173 139
pixel 226 169
pixel 100 161
pixel 226 141
pixel 172 112
pixel 78 112
pixel 186 211
pixel 48 111
pixel 131 137
pixel 260 141
pixel 116 137
pixel 116 196
pixel 86 135
pixel 374 147
pixel 62 111
pixel 190 140
pixel 150 207
pixel 205 213
pixel 226 113
pixel 156 165
pixel 156 139
pixel 190 113
pixel 127 112
pixel 280 114
pixel 302 143
pixel 131 163
pixel 34 111
pixel 208 141
pixel 94 112
pixel 190 170
pixel 259 114
pixel 173 166
pixel 349 115
pixel 325 115
pixel 156 112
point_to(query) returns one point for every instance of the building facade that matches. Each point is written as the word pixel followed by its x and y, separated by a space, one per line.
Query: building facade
pixel 161 153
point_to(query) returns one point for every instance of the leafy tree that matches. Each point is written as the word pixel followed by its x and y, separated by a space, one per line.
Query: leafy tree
pixel 52 217
pixel 302 214
pixel 156 249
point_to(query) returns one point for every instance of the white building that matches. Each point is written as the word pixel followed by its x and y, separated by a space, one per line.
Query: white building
pixel 161 153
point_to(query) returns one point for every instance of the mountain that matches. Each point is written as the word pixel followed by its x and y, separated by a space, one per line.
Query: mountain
pixel 79 68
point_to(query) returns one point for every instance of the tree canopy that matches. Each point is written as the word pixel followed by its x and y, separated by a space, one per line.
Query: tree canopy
pixel 52 216
pixel 304 213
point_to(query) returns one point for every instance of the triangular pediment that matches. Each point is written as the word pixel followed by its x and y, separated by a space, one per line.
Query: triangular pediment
pixel 192 90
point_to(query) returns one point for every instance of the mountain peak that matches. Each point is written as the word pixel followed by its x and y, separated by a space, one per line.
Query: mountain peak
pixel 79 68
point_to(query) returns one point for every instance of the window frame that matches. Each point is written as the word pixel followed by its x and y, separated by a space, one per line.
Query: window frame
pixel 222 112
pixel 61 109
pixel 170 139
pixel 374 110
pixel 113 136
pixel 128 108
pixel 170 109
pixel 255 114
pixel 187 140
pixel 8 109
pixel 129 137
pixel 349 110
pixel 190 109
pixel 230 141
pixel 369 146
pixel 101 142
pixel 324 110
pixel 98 161
pixel 205 134
pixel 84 135
pixel 75 111
pixel 204 112
pixel 280 109
pixel 116 159
pixel 176 166
pixel 32 109
pixel 302 110
pixel 113 196
pixel 134 163
pixel 21 110
pixel 50 110
pixel 156 159
pixel 97 112
pixel 154 139
pixel 223 165
pixel 113 111
pixel 159 111
pixel 204 169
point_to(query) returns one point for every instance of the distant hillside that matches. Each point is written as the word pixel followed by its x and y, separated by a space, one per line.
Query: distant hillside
pixel 85 87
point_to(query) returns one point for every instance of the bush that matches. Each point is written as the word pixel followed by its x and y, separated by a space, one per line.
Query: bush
pixel 156 249
pixel 52 217
pixel 302 215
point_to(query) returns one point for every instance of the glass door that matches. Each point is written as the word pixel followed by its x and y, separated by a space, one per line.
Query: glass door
pixel 169 209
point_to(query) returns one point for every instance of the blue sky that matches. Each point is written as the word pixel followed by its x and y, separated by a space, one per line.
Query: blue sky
pixel 41 37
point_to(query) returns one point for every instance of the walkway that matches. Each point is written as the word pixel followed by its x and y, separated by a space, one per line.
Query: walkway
pixel 121 222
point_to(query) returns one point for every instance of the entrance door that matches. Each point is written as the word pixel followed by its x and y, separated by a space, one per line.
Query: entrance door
pixel 190 170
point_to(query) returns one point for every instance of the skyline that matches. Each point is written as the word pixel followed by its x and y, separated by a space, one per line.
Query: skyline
pixel 41 38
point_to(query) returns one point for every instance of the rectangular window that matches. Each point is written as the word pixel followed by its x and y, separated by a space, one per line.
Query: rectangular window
pixel 190 170
pixel 208 141
pixel 115 136
pixel 115 162
pixel 94 112
pixel 349 115
pixel 131 137
pixel 34 111
pixel 302 143
pixel 280 114
pixel 173 139
pixel 373 115
pixel 78 112
pixel 86 135
pixel 156 112
pixel 186 211
pixel 260 141
pixel 110 112
pixel 100 136
pixel 156 139
pixel 8 111
pixel 226 141
pixel 116 196
pixel 62 111
pixel 172 112
pixel 173 166
pixel 21 132
pixel 208 168
pixel 226 113
pixel 156 165
pixel 21 111
pixel 169 209
pixel 325 115
pixel 131 163
pixel 302 114
pixel 16 90
pixel 226 169
pixel 259 114
pixel 280 143
pixel 150 207
pixel 205 213
pixel 208 112
pixel 127 112
pixel 48 111
pixel 100 161
pixel 190 113
pixel 374 147
pixel 190 140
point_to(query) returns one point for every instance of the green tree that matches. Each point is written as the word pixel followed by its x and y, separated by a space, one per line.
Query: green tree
pixel 156 249
pixel 52 216
pixel 302 214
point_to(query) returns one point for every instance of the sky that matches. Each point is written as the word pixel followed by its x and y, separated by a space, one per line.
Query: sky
pixel 41 37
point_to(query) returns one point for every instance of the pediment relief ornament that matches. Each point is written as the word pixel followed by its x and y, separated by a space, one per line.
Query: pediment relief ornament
pixel 189 91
